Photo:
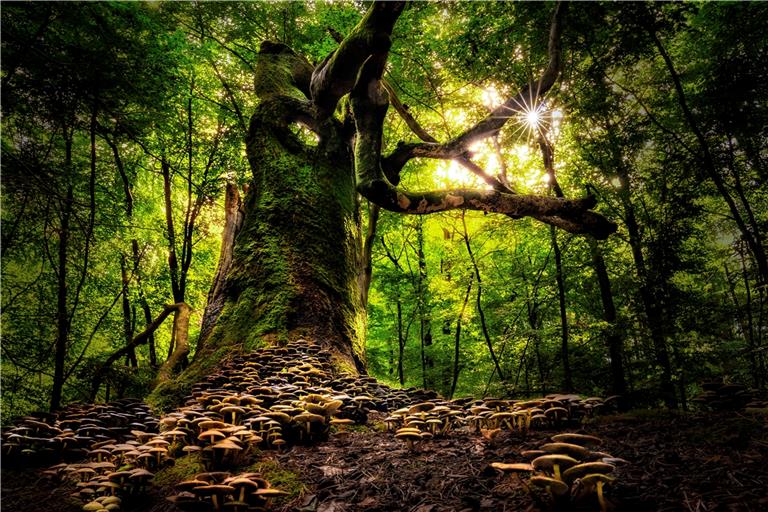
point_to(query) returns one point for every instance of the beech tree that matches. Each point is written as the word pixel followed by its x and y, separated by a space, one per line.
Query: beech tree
pixel 314 147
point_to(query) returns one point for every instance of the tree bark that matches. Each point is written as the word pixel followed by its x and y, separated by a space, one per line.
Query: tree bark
pixel 457 339
pixel 178 359
pixel 613 337
pixel 233 221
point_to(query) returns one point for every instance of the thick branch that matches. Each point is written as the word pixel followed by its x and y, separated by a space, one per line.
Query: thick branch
pixel 335 76
pixel 369 103
pixel 280 71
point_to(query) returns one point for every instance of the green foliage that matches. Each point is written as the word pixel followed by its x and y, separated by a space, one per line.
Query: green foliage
pixel 173 83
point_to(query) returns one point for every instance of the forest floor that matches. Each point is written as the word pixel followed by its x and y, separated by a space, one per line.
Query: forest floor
pixel 687 462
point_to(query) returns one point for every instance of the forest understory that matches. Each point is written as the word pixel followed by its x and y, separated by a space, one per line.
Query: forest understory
pixel 351 459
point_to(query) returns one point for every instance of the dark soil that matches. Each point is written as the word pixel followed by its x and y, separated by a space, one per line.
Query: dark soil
pixel 687 462
pixel 676 462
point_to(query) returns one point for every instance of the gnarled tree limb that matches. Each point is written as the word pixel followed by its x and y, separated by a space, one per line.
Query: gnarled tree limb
pixel 528 95
pixel 370 100
pixel 335 76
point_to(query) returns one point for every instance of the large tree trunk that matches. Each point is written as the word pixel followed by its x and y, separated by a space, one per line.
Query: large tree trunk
pixel 296 259
pixel 298 256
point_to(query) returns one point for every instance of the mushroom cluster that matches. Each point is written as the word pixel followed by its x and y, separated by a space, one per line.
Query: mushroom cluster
pixel 489 416
pixel 570 469
pixel 217 491
pixel 424 420
pixel 271 399
pixel 69 434
pixel 719 396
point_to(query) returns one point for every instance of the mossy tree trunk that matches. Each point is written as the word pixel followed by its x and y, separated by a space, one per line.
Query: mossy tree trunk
pixel 298 257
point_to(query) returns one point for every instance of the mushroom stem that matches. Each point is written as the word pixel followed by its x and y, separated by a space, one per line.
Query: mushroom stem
pixel 600 497
pixel 557 472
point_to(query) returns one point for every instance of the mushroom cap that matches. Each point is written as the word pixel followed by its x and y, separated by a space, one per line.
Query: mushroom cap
pixel 141 474
pixel 546 462
pixel 92 506
pixel 516 467
pixel 227 444
pixel 584 440
pixel 208 490
pixel 213 476
pixel 572 450
pixel 187 485
pixel 270 492
pixel 557 487
pixel 422 407
pixel 580 470
pixel 239 482
pixel 308 417
pixel 532 454
pixel 556 411
pixel 211 434
pixel 410 433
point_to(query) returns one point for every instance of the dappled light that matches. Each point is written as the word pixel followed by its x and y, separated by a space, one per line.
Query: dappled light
pixel 329 256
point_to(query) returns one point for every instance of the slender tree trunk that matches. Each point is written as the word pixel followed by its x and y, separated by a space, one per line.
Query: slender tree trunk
pixel 560 279
pixel 613 337
pixel 479 303
pixel 548 157
pixel 425 310
pixel 649 300
pixel 370 237
pixel 127 324
pixel 178 359
pixel 62 312
pixel 400 343
pixel 457 340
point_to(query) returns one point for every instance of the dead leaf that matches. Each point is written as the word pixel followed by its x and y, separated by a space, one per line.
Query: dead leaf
pixel 329 471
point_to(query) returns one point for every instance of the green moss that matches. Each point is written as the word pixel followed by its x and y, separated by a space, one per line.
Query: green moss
pixel 280 478
pixel 168 395
pixel 342 367
pixel 294 266
pixel 185 468
pixel 171 394
pixel 360 429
